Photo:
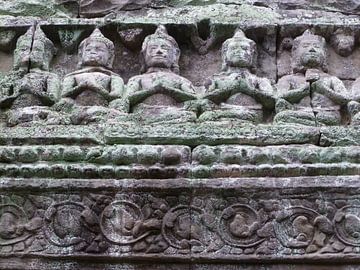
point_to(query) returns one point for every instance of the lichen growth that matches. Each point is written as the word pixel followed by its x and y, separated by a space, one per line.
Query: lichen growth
pixel 34 8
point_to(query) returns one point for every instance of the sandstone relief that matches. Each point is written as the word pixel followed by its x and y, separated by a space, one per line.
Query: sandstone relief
pixel 147 223
pixel 196 132
pixel 309 95
pixel 35 89
pixel 160 93
pixel 88 92
pixel 236 92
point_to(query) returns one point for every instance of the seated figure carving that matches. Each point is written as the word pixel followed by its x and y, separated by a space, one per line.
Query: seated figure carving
pixel 237 93
pixel 87 92
pixel 30 89
pixel 310 96
pixel 160 94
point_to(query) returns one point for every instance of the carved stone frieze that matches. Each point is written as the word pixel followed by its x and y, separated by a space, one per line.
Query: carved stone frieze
pixel 96 92
pixel 179 134
pixel 204 224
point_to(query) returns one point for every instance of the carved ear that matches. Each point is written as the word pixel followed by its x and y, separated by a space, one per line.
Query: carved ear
pixel 110 61
pixel 178 52
pixel 175 68
pixel 80 49
pixel 175 65
pixel 254 64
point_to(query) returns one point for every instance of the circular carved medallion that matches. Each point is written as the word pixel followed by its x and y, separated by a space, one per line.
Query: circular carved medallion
pixel 295 228
pixel 119 221
pixel 347 225
pixel 238 226
pixel 64 223
pixel 12 221
pixel 182 227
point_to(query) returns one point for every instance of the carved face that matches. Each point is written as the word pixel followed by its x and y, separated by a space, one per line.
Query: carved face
pixel 95 54
pixel 239 54
pixel 7 226
pixel 67 223
pixel 160 53
pixel 22 55
pixel 312 53
pixel 40 57
pixel 343 44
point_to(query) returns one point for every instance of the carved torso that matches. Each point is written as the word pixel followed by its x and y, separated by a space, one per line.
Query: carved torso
pixel 315 99
pixel 323 102
pixel 227 81
pixel 292 82
pixel 91 97
pixel 35 84
pixel 163 97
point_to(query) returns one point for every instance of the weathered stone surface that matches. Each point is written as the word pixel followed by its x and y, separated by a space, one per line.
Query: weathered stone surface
pixel 96 8
pixel 36 8
pixel 244 219
pixel 211 133
pixel 164 161
pixel 123 147
pixel 43 134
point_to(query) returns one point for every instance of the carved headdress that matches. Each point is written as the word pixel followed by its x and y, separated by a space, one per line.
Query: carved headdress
pixel 296 64
pixel 239 36
pixel 98 37
pixel 161 34
pixel 27 44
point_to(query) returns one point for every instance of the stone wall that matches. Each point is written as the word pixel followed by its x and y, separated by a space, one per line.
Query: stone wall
pixel 179 135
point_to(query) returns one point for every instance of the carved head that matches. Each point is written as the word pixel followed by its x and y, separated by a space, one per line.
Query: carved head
pixel 239 51
pixel 343 42
pixel 97 50
pixel 309 51
pixel 34 48
pixel 160 50
pixel 8 225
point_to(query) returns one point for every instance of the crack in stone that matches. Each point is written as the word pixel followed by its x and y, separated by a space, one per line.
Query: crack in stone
pixel 34 26
pixel 312 105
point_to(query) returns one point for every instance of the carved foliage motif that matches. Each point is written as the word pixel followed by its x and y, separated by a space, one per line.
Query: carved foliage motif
pixel 68 223
pixel 20 222
pixel 153 223
pixel 239 225
pixel 347 225
pixel 301 227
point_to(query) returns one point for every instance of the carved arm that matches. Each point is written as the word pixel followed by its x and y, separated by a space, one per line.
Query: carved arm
pixel 295 95
pixel 53 89
pixel 333 88
pixel 117 89
pixel 264 93
pixel 68 87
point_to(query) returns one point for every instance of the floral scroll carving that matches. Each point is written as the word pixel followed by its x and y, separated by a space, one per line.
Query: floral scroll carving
pixel 239 225
pixel 15 227
pixel 301 227
pixel 141 223
pixel 347 225
pixel 122 222
pixel 183 228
